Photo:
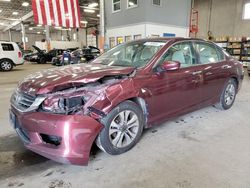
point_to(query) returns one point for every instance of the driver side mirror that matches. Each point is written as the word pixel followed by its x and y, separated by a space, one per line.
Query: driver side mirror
pixel 170 65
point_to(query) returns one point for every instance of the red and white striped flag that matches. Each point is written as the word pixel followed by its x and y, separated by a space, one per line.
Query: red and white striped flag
pixel 64 13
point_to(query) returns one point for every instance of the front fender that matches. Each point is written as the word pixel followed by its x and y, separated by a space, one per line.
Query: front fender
pixel 116 94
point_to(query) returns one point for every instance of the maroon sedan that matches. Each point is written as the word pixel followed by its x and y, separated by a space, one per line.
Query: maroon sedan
pixel 59 113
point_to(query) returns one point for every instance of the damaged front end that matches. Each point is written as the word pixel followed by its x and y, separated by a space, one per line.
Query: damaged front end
pixel 62 125
pixel 80 100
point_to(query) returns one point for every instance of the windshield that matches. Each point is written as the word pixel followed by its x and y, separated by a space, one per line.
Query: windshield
pixel 133 54
pixel 77 52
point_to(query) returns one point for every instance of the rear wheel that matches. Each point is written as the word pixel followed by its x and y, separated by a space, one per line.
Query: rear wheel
pixel 6 65
pixel 122 128
pixel 228 95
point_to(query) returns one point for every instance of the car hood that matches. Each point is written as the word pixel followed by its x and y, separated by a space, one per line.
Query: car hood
pixel 38 49
pixel 56 79
pixel 30 54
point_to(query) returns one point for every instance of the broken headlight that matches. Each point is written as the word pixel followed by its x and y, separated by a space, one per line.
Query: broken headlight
pixel 63 105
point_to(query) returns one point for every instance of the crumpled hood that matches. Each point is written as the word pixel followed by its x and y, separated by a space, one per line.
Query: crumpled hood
pixel 56 79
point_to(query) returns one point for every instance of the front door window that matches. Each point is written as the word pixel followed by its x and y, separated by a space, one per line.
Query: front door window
pixel 181 52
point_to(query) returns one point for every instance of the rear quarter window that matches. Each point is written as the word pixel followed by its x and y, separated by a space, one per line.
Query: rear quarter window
pixel 220 53
pixel 7 47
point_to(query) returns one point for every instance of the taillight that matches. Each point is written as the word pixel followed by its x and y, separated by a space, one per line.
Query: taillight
pixel 20 54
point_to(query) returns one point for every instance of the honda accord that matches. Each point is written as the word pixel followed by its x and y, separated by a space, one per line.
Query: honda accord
pixel 59 113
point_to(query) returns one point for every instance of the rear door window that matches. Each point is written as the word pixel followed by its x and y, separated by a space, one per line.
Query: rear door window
pixel 207 53
pixel 7 47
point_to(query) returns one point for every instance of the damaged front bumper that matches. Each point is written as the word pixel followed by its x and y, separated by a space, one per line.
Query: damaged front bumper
pixel 62 138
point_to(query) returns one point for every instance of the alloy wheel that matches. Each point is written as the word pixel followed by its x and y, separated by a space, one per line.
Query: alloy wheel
pixel 229 94
pixel 5 65
pixel 123 129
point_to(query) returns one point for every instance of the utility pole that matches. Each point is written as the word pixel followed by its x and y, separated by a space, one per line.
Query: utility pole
pixel 23 36
pixel 10 35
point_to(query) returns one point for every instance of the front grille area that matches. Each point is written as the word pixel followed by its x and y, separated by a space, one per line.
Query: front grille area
pixel 22 101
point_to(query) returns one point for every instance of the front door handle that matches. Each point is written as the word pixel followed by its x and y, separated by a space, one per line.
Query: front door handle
pixel 225 67
pixel 196 73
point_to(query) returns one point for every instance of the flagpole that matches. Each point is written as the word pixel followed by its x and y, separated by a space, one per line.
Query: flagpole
pixel 102 27
pixel 48 37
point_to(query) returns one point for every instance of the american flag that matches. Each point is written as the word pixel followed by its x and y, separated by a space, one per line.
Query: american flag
pixel 59 13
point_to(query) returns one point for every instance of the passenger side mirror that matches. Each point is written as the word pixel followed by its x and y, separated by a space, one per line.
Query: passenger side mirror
pixel 170 65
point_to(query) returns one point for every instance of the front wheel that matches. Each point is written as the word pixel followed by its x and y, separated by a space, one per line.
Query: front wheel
pixel 42 61
pixel 122 128
pixel 228 95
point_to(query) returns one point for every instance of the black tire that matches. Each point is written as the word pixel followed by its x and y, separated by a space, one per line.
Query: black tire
pixel 224 103
pixel 248 74
pixel 6 65
pixel 42 61
pixel 104 142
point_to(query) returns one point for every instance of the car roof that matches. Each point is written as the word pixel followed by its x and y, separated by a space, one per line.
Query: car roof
pixel 1 41
pixel 167 39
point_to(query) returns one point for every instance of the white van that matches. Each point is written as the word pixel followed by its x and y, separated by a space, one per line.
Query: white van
pixel 10 55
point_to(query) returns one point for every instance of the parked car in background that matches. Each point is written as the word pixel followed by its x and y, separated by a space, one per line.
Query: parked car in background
pixel 78 56
pixel 10 56
pixel 90 53
pixel 24 52
pixel 59 113
pixel 41 56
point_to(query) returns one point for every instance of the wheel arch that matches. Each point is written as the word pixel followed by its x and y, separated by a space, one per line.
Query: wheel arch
pixel 137 100
pixel 8 60
pixel 143 105
pixel 236 80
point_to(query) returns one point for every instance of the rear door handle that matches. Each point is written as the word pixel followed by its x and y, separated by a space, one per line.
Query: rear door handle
pixel 196 73
pixel 209 73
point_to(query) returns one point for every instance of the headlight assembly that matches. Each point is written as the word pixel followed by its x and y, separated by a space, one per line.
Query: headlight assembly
pixel 63 105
